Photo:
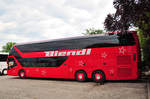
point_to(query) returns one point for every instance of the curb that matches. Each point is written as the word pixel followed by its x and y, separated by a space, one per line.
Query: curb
pixel 148 89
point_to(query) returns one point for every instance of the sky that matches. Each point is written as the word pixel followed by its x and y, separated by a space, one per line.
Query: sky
pixel 35 20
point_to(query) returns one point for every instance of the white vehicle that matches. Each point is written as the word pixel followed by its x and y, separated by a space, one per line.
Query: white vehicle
pixel 3 63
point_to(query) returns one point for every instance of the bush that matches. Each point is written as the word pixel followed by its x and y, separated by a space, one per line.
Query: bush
pixel 146 51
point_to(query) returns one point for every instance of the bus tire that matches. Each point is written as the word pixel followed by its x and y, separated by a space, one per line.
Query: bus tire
pixel 81 76
pixel 98 76
pixel 22 74
pixel 4 72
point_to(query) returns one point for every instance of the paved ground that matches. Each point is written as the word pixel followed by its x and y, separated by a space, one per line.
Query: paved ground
pixel 15 88
pixel 148 88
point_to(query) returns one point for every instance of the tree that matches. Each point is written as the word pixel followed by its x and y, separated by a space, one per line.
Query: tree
pixel 92 31
pixel 132 13
pixel 146 51
pixel 129 13
pixel 8 46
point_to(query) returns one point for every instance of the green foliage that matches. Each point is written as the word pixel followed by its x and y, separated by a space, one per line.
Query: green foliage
pixel 93 31
pixel 145 45
pixel 129 13
pixel 146 51
pixel 141 37
pixel 8 46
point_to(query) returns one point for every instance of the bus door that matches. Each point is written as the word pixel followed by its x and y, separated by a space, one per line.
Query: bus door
pixel 59 72
pixel 12 65
pixel 55 67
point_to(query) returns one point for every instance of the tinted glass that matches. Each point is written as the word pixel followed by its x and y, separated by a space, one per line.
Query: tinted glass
pixel 12 51
pixel 78 43
pixel 124 39
pixel 42 61
pixel 3 58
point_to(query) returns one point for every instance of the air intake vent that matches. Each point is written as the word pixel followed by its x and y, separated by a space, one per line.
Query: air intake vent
pixel 124 72
pixel 124 60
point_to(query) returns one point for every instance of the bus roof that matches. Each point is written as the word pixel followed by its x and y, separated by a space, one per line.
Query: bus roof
pixel 61 39
pixel 80 42
pixel 69 38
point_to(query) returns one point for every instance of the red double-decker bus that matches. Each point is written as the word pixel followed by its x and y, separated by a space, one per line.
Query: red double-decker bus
pixel 115 56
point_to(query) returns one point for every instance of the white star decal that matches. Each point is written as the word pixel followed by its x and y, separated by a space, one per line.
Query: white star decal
pixel 43 72
pixel 104 55
pixel 37 70
pixel 81 63
pixel 122 50
pixel 70 69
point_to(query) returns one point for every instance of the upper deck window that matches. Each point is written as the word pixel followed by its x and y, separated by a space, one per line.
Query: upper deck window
pixel 80 43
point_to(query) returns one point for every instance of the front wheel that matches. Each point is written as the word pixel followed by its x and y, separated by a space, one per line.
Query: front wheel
pixel 80 76
pixel 98 76
pixel 22 74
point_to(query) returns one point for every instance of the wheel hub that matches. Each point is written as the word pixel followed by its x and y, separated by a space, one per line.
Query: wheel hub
pixel 98 76
pixel 80 76
pixel 22 74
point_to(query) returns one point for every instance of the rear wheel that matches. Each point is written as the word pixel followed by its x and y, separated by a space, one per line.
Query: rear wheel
pixel 22 74
pixel 4 72
pixel 98 76
pixel 80 76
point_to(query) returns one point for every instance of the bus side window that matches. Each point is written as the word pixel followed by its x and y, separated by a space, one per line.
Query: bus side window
pixel 42 61
pixel 3 58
